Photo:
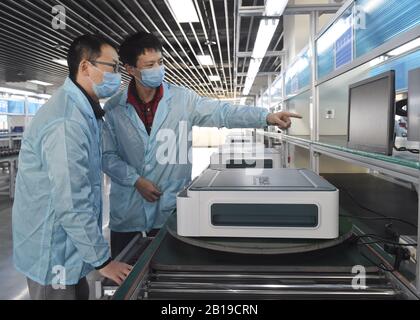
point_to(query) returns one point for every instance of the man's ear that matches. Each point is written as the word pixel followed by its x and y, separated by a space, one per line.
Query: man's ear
pixel 84 67
pixel 130 70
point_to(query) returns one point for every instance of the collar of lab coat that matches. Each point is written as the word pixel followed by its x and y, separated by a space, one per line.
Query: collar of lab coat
pixel 162 112
pixel 82 103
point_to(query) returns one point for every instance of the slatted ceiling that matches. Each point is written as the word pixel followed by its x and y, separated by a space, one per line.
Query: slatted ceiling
pixel 29 43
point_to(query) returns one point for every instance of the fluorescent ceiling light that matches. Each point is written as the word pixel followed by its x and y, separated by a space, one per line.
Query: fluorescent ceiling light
pixel 205 60
pixel 275 7
pixel 405 48
pixel 62 62
pixel 214 78
pixel 265 34
pixel 41 83
pixel 184 11
pixel 253 69
pixel 264 37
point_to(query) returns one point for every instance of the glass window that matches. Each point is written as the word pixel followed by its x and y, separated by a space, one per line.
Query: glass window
pixel 16 107
pixel 276 92
pixel 298 75
pixel 401 66
pixel 33 107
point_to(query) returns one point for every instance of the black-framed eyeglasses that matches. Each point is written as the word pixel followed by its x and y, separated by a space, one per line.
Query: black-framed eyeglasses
pixel 116 66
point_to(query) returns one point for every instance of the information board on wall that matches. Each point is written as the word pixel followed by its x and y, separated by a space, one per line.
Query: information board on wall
pixel 343 49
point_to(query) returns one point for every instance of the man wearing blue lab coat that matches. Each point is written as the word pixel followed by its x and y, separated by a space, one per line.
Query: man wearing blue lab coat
pixel 147 139
pixel 57 212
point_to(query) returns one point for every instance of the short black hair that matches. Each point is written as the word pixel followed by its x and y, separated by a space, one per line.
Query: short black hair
pixel 136 45
pixel 87 47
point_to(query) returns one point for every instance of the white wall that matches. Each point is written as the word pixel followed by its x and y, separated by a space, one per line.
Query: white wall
pixel 334 95
pixel 299 157
pixel 16 121
pixel 214 137
pixel 301 105
pixel 208 137
pixel 297 28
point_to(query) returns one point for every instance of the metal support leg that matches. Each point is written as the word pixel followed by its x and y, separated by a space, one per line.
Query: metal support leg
pixel 314 107
pixel 314 160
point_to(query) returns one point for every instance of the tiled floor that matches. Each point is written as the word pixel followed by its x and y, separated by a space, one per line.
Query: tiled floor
pixel 13 284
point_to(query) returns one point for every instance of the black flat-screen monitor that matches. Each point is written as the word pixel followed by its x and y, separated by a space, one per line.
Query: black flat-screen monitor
pixel 414 105
pixel 372 114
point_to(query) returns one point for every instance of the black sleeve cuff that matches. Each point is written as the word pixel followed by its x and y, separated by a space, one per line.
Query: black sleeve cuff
pixel 104 265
